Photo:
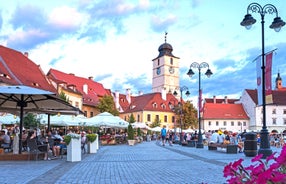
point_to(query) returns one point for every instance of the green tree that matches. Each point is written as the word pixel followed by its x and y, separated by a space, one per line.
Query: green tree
pixel 64 96
pixel 106 104
pixel 157 122
pixel 31 121
pixel 190 118
pixel 130 130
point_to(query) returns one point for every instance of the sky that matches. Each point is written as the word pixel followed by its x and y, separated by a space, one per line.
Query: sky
pixel 114 41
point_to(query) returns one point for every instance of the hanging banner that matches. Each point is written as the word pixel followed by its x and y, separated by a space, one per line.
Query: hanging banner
pixel 268 81
pixel 259 81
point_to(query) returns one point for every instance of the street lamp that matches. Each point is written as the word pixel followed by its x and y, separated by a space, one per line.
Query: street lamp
pixel 208 74
pixel 182 89
pixel 276 25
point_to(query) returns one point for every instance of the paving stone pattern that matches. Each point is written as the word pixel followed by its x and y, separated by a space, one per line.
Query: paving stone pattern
pixel 144 163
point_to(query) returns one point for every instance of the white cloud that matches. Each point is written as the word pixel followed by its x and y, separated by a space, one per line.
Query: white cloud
pixel 66 17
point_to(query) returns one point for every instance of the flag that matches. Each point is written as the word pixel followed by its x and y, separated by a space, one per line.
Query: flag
pixel 268 74
pixel 259 81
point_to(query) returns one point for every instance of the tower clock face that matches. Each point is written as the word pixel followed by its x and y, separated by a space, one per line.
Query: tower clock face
pixel 158 71
pixel 171 70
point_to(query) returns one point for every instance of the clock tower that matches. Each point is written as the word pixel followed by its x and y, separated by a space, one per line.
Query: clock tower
pixel 165 70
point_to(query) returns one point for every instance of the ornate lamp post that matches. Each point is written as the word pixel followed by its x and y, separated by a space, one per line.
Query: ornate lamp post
pixel 182 89
pixel 208 74
pixel 276 25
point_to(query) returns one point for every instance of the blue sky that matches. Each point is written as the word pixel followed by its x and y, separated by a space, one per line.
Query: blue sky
pixel 115 41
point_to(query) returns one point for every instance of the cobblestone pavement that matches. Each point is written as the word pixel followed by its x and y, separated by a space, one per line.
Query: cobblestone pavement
pixel 144 163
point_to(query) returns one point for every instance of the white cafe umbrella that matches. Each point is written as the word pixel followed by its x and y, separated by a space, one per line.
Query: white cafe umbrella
pixel 140 125
pixel 17 99
pixel 156 129
pixel 63 120
pixel 106 119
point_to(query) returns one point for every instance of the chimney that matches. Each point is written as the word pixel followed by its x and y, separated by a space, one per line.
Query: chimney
pixel 85 88
pixel 225 100
pixel 90 78
pixel 214 99
pixel 26 54
pixel 128 95
pixel 163 94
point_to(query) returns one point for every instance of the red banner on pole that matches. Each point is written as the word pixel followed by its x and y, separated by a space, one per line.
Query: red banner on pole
pixel 268 73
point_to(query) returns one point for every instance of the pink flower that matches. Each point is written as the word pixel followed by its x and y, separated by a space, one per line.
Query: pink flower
pixel 258 172
pixel 257 158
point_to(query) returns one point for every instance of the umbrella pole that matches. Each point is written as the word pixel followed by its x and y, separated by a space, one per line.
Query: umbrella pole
pixel 21 125
pixel 49 122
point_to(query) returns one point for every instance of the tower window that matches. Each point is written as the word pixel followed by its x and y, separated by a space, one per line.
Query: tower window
pixel 158 63
pixel 171 61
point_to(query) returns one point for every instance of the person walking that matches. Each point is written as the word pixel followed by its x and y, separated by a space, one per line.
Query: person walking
pixel 163 135
pixel 170 140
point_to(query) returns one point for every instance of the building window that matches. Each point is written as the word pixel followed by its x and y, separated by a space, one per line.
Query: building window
pixel 138 118
pixel 284 121
pixel 239 123
pixel 165 118
pixel 91 114
pixel 85 113
pixel 232 123
pixel 274 121
pixel 284 111
pixel 244 123
pixel 171 61
pixel 149 117
pixel 173 119
pixel 210 123
pixel 274 111
pixel 217 123
pixel 224 123
pixel 157 118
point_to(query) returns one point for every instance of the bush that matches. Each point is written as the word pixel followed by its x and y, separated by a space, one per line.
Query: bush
pixel 130 132
pixel 91 137
pixel 68 137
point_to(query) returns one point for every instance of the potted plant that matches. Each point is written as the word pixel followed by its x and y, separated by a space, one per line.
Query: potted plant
pixel 130 135
pixel 130 131
pixel 92 143
pixel 73 143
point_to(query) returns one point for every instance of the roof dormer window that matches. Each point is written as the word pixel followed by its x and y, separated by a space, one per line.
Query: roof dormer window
pixel 154 105
pixel 5 75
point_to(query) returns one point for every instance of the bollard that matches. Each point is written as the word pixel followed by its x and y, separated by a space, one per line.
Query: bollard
pixel 250 144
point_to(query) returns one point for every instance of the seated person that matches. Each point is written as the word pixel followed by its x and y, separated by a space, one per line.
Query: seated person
pixel 41 146
pixel 4 139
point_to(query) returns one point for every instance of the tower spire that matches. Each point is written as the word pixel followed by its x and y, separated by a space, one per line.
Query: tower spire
pixel 166 36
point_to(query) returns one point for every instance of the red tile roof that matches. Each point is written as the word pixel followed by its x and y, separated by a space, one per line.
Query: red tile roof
pixel 253 95
pixel 94 89
pixel 146 102
pixel 18 69
pixel 220 100
pixel 278 96
pixel 224 111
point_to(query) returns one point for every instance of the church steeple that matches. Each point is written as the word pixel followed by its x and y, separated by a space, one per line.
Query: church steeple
pixel 278 81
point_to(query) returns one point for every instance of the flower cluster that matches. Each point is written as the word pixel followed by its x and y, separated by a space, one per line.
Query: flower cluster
pixel 272 170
